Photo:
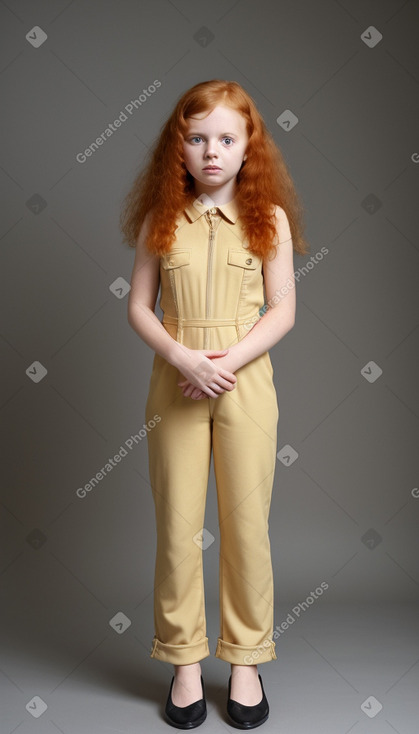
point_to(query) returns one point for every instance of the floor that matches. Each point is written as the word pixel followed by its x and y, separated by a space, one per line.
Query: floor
pixel 339 669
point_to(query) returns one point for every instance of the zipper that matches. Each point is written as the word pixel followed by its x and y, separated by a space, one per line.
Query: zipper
pixel 210 220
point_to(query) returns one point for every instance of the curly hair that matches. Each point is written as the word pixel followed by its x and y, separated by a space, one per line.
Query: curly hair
pixel 165 184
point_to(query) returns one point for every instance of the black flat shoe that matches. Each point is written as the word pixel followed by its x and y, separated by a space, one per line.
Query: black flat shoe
pixel 186 717
pixel 247 717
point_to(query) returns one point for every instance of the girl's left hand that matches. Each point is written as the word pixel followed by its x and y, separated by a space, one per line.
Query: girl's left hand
pixel 190 390
pixel 195 393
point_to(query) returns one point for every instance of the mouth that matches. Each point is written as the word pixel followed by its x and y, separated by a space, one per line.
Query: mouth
pixel 211 168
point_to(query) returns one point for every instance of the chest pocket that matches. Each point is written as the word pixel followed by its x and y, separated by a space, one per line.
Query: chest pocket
pixel 246 260
pixel 175 259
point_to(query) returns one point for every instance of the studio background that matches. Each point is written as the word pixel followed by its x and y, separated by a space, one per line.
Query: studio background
pixel 337 84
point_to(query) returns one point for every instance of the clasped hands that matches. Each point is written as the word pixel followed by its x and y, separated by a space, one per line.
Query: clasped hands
pixel 207 373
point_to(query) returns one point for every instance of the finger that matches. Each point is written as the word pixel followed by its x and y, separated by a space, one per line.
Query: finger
pixel 197 394
pixel 211 393
pixel 215 352
pixel 217 387
pixel 226 375
pixel 225 384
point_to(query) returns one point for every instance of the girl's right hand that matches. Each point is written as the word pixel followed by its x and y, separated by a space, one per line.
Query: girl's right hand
pixel 198 369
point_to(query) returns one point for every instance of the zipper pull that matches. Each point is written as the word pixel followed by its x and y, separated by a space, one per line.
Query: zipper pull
pixel 209 218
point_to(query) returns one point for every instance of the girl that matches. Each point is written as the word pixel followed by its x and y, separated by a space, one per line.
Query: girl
pixel 214 217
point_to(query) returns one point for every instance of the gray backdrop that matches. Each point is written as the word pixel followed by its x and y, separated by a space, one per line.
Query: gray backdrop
pixel 337 84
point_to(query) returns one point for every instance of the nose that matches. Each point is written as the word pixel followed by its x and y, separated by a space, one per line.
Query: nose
pixel 210 149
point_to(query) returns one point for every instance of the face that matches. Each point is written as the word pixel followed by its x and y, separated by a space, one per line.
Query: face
pixel 218 139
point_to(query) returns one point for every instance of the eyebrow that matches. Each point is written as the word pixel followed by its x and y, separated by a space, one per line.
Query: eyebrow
pixel 202 134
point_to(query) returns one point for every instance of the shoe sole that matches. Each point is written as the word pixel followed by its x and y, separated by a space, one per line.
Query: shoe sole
pixel 191 725
pixel 249 726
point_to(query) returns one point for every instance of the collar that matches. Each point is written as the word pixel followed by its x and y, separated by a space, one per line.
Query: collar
pixel 200 205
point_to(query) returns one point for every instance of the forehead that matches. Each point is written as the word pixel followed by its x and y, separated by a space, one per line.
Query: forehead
pixel 220 117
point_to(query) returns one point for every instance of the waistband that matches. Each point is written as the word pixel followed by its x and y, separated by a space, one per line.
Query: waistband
pixel 205 323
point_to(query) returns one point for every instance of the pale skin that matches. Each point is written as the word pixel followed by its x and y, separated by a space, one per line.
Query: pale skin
pixel 218 139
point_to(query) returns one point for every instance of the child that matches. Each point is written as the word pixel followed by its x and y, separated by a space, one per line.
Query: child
pixel 214 217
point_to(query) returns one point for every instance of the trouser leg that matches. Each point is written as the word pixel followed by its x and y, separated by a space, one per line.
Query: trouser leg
pixel 179 460
pixel 244 448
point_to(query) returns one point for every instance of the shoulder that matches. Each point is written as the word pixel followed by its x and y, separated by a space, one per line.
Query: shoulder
pixel 281 223
pixel 279 213
pixel 144 229
pixel 142 252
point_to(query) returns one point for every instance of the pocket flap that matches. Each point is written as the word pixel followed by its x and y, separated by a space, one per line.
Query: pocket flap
pixel 243 259
pixel 172 260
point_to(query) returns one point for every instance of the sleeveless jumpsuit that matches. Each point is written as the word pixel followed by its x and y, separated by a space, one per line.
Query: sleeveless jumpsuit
pixel 211 295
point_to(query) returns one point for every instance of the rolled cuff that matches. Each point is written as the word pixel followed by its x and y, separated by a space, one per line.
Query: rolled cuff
pixel 245 654
pixel 180 654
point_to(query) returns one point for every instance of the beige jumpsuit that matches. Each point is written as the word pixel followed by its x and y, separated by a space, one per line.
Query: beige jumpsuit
pixel 211 295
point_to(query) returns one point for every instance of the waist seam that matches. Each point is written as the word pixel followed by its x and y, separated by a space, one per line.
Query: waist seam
pixel 205 323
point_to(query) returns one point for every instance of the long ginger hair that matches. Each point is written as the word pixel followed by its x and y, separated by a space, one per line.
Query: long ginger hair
pixel 164 187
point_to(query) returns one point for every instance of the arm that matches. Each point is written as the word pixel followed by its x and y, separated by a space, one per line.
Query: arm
pixel 145 280
pixel 279 319
pixel 194 364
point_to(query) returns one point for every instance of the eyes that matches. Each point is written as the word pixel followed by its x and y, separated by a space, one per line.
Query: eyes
pixel 198 137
